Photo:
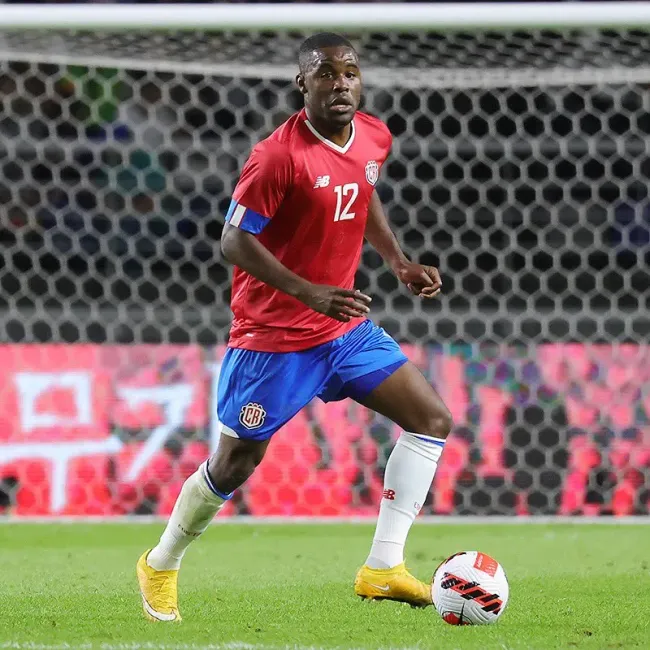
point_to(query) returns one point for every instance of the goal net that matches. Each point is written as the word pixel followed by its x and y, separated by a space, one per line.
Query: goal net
pixel 520 167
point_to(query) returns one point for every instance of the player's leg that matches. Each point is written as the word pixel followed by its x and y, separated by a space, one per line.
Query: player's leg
pixel 202 496
pixel 408 399
pixel 376 374
pixel 258 393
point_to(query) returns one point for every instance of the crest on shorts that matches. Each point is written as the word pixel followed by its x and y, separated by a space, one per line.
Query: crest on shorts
pixel 372 172
pixel 252 415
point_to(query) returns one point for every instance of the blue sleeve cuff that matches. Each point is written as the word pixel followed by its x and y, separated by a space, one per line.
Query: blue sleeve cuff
pixel 242 217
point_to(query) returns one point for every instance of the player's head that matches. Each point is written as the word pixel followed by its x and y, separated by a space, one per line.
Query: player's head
pixel 329 79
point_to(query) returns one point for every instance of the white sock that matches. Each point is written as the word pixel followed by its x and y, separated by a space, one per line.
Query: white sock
pixel 196 506
pixel 409 474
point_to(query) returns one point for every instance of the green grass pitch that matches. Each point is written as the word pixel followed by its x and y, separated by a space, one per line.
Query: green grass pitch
pixel 290 586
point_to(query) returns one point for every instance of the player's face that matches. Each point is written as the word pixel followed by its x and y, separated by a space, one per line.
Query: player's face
pixel 332 86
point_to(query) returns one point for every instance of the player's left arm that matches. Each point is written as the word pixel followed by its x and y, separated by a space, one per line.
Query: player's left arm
pixel 421 280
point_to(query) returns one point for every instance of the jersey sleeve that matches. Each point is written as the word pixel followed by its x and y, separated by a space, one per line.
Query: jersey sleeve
pixel 262 186
pixel 388 140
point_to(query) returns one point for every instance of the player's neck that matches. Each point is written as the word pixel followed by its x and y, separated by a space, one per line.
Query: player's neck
pixel 339 137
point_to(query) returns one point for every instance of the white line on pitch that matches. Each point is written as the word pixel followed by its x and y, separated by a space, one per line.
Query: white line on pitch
pixel 235 645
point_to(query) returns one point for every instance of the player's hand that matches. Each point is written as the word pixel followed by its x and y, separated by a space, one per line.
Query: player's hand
pixel 341 304
pixel 423 281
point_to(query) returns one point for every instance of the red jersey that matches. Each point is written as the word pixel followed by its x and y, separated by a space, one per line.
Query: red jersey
pixel 307 200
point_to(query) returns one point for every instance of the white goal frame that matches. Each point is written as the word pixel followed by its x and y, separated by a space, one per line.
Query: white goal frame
pixel 384 16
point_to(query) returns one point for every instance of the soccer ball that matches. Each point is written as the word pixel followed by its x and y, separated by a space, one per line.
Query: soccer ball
pixel 470 588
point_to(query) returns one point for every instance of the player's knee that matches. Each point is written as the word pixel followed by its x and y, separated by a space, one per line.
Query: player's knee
pixel 437 424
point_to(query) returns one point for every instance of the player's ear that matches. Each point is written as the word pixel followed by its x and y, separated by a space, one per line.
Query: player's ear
pixel 300 82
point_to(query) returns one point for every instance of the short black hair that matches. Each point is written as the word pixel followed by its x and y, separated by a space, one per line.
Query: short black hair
pixel 318 42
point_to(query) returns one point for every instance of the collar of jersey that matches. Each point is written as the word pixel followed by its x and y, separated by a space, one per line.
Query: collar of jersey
pixel 329 143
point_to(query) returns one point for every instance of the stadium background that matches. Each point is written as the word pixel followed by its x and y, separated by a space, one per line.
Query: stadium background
pixel 519 167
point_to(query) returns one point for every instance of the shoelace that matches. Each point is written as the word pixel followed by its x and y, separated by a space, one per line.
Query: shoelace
pixel 162 588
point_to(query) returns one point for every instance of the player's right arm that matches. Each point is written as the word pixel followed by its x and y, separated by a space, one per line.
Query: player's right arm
pixel 264 181
pixel 244 250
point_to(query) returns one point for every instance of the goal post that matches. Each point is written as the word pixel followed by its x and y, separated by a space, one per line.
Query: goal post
pixel 519 166
pixel 386 17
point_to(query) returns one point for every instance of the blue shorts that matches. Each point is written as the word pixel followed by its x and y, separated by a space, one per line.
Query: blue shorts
pixel 259 392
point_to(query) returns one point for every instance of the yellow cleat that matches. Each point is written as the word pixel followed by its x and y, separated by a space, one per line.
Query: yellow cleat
pixel 159 590
pixel 392 584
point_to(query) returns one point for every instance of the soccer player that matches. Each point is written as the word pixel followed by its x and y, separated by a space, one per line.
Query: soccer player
pixel 303 205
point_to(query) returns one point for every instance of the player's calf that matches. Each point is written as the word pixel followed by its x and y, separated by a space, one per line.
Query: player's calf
pixel 409 474
pixel 234 462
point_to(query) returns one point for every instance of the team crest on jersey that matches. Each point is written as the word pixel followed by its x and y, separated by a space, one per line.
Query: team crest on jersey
pixel 252 415
pixel 372 172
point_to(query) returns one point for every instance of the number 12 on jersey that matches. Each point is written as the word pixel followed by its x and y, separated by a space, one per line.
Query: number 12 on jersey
pixel 350 191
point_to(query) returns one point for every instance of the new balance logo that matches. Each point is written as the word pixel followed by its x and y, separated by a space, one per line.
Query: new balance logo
pixel 389 494
pixel 321 181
